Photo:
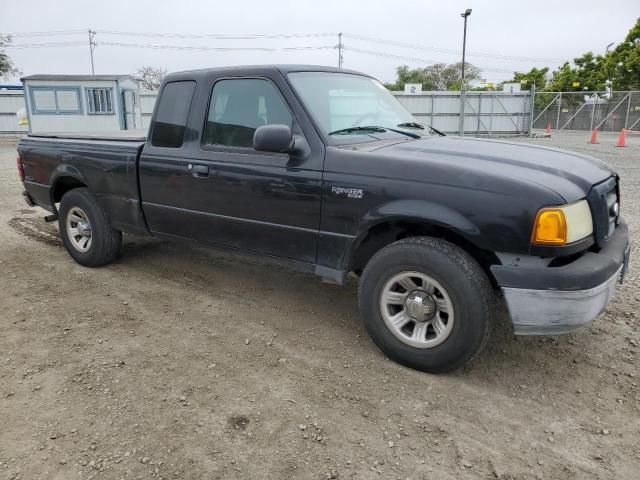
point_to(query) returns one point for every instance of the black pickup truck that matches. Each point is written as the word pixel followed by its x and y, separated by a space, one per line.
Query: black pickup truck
pixel 325 169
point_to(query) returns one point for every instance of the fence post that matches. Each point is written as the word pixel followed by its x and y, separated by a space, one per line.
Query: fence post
pixel 433 95
pixel 559 107
pixel 531 107
pixel 479 112
pixel 626 118
pixel 524 113
pixel 593 111
pixel 493 99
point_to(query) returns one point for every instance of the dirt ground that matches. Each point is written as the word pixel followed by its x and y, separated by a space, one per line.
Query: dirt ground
pixel 182 363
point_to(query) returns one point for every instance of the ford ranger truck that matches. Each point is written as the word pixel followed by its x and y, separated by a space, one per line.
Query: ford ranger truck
pixel 324 169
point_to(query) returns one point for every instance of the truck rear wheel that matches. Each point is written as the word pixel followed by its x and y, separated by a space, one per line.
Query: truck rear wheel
pixel 85 229
pixel 426 303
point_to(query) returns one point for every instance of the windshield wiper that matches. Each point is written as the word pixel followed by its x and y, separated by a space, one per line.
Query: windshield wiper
pixel 374 128
pixel 421 126
pixel 357 129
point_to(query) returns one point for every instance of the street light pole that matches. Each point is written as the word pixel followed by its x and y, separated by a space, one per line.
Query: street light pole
pixel 464 15
pixel 608 81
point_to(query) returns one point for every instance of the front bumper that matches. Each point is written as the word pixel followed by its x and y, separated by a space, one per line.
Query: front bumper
pixel 552 300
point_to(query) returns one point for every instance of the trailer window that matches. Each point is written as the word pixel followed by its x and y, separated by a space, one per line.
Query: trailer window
pixel 99 101
pixel 170 121
pixel 55 100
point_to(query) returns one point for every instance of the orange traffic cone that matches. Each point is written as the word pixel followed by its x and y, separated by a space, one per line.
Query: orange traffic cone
pixel 548 129
pixel 594 136
pixel 621 138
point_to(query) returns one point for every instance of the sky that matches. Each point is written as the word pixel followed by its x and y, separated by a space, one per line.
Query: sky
pixel 502 36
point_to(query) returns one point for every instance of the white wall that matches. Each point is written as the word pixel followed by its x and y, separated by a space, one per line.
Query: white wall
pixel 10 102
pixel 147 103
pixel 485 112
pixel 40 122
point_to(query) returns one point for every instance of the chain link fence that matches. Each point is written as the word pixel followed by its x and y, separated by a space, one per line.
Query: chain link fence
pixel 606 111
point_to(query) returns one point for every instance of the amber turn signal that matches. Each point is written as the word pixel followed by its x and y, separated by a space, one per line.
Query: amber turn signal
pixel 550 227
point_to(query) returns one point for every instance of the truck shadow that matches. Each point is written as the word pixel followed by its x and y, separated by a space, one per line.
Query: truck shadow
pixel 221 273
pixel 273 283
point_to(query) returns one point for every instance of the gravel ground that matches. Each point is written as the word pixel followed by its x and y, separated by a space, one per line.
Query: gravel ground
pixel 154 367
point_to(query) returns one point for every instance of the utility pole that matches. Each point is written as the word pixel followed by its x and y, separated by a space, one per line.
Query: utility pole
pixel 464 15
pixel 340 47
pixel 92 45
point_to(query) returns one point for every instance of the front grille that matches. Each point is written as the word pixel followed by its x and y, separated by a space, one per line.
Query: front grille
pixel 603 199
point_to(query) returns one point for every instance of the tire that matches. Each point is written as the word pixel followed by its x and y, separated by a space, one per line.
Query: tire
pixel 458 304
pixel 80 212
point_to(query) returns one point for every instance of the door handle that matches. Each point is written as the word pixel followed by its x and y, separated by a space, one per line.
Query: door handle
pixel 199 171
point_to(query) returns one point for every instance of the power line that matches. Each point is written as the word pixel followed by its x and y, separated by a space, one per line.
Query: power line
pixel 245 49
pixel 254 36
pixel 45 45
pixel 450 51
pixel 415 59
pixel 218 49
pixel 44 34
pixel 218 36
pixel 173 47
pixel 341 46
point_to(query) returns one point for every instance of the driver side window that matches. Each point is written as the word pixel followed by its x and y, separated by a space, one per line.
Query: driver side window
pixel 238 107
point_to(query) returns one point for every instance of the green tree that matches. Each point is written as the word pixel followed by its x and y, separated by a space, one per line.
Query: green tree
pixel 591 72
pixel 535 76
pixel 452 76
pixel 406 75
pixel 620 68
pixel 439 76
pixel 622 65
pixel 588 73
pixel 7 68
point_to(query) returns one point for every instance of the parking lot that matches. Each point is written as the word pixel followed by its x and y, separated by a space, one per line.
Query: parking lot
pixel 180 362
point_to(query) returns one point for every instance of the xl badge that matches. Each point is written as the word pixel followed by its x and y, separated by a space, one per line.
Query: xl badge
pixel 349 192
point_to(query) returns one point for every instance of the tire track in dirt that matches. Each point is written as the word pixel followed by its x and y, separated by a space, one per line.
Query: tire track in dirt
pixel 36 229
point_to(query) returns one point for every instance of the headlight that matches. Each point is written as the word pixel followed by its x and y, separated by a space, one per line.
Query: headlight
pixel 563 224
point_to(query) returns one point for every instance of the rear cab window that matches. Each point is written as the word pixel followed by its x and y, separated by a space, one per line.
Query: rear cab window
pixel 171 117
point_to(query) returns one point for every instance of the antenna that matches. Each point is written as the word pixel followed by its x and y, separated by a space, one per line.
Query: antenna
pixel 340 47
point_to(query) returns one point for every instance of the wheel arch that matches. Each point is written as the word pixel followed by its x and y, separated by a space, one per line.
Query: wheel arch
pixel 63 179
pixel 385 231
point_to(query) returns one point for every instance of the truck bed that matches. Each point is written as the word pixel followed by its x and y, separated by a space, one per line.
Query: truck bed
pixel 107 163
pixel 124 135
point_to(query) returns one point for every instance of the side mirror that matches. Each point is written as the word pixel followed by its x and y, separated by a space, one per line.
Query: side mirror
pixel 273 138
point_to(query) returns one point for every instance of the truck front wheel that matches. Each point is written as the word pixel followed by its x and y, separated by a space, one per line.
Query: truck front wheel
pixel 426 303
pixel 85 229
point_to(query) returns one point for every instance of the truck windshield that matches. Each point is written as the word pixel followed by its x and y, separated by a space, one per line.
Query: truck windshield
pixel 347 104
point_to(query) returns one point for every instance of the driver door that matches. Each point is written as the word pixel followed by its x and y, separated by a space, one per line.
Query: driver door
pixel 220 190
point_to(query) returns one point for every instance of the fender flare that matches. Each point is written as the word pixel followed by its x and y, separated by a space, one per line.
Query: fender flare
pixel 64 171
pixel 418 211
